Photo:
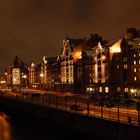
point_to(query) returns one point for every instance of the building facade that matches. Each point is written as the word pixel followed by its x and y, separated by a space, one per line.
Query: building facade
pixel 125 68
pixel 35 76
pixel 87 66
pixel 50 73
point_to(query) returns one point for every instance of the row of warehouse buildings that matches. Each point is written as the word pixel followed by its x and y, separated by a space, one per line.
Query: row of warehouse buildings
pixel 85 66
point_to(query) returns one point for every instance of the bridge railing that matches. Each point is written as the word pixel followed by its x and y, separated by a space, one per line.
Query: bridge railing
pixel 82 105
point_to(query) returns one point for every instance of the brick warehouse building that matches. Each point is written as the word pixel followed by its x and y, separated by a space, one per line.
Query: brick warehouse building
pixel 92 65
pixel 101 67
pixel 125 65
pixel 83 64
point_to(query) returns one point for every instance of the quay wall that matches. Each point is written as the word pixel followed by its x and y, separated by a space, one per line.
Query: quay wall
pixel 91 125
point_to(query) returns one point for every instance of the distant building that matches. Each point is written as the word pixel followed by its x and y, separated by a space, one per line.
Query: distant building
pixel 45 75
pixel 8 77
pixel 50 73
pixel 19 73
pixel 86 66
pixel 16 72
pixel 34 76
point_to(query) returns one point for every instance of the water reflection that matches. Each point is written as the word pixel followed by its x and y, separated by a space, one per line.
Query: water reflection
pixel 19 127
pixel 5 128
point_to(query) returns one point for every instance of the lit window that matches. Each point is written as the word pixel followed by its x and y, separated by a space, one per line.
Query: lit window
pixel 139 54
pixel 134 55
pixel 87 89
pixel 100 89
pixel 135 70
pixel 118 66
pixel 135 78
pixel 134 62
pixel 125 89
pixel 139 61
pixel 103 57
pixel 125 66
pixel 106 89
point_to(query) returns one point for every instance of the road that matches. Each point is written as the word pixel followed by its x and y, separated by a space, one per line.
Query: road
pixel 64 102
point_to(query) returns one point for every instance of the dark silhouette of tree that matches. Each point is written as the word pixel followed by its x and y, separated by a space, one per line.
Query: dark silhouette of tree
pixel 132 33
pixel 94 39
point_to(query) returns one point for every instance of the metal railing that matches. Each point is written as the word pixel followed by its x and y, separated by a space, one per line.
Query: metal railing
pixel 84 106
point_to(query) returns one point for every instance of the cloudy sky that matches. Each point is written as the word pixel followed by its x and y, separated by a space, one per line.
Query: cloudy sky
pixel 33 28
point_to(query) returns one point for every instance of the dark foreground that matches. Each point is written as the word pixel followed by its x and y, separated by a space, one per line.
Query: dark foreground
pixel 27 128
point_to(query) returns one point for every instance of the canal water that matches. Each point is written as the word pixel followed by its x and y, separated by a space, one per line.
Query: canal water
pixel 23 128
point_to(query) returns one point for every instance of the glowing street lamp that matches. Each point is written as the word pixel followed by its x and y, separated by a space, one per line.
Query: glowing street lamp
pixel 41 75
pixel 24 76
pixel 103 57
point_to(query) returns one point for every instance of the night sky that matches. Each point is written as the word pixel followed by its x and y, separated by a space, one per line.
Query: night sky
pixel 33 28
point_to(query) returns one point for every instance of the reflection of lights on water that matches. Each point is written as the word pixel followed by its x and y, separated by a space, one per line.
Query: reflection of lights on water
pixel 5 129
pixel 2 114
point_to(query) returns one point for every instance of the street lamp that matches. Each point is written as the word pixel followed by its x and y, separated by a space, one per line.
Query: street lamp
pixel 41 75
pixel 24 76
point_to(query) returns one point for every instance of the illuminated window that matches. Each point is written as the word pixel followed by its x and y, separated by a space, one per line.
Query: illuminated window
pixel 100 89
pixel 139 61
pixel 125 66
pixel 139 54
pixel 118 66
pixel 134 62
pixel 125 89
pixel 134 55
pixel 106 89
pixel 135 78
pixel 135 70
pixel 103 57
